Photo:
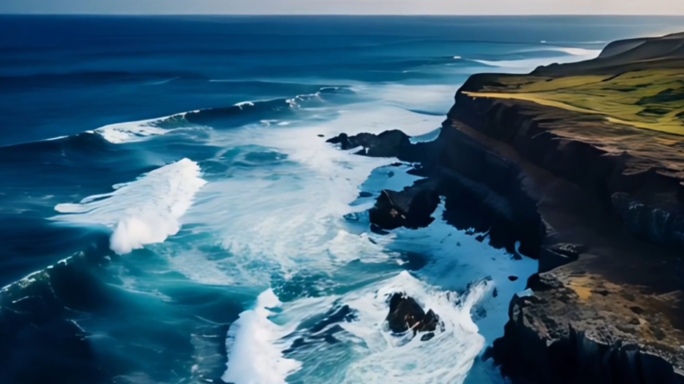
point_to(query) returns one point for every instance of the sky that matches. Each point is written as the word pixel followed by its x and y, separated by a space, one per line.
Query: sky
pixel 481 7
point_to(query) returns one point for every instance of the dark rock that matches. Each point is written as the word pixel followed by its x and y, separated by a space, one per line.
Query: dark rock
pixel 513 278
pixel 365 194
pixel 406 314
pixel 495 293
pixel 659 221
pixel 569 250
pixel 321 135
pixel 387 144
pixel 342 139
pixel 427 337
pixel 553 338
pixel 353 216
pixel 558 255
pixel 483 193
pixel 376 229
pixel 418 171
pixel 411 208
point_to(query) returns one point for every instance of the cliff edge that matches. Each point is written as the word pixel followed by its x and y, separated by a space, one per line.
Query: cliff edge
pixel 599 147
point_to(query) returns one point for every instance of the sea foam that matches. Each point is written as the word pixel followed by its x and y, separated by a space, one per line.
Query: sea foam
pixel 130 132
pixel 446 358
pixel 144 211
pixel 254 346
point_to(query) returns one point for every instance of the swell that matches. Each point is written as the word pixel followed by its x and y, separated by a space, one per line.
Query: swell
pixel 91 142
pixel 39 80
pixel 145 211
pixel 82 322
pixel 88 78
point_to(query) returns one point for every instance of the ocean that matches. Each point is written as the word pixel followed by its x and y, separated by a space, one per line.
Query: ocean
pixel 171 213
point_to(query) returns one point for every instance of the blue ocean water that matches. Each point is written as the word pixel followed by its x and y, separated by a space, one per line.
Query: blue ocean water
pixel 171 213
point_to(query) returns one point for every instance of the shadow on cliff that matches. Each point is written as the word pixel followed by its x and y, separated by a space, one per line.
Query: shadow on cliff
pixel 481 192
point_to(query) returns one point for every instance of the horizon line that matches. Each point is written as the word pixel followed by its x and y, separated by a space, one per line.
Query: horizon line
pixel 346 14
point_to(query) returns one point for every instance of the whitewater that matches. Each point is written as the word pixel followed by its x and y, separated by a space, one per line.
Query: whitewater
pixel 285 209
pixel 214 234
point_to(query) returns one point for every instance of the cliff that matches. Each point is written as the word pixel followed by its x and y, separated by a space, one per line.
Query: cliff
pixel 600 150
pixel 580 166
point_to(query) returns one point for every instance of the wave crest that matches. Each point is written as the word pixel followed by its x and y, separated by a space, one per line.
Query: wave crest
pixel 235 115
pixel 145 211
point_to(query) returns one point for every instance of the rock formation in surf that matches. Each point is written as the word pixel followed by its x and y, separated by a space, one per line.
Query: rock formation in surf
pixel 406 314
pixel 411 208
pixel 386 144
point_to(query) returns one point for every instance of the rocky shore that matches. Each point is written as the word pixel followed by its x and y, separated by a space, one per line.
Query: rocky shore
pixel 580 166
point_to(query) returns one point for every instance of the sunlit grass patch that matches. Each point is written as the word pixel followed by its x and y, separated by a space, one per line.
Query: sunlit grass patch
pixel 649 99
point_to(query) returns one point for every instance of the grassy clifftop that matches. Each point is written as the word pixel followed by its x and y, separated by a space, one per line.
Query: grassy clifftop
pixel 650 99
pixel 638 83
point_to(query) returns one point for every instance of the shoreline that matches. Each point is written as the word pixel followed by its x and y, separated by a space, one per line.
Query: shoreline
pixel 598 203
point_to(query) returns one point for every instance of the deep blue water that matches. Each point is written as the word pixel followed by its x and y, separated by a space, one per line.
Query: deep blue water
pixel 165 180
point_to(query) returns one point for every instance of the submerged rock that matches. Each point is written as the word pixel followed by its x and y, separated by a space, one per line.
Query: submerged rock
pixel 406 314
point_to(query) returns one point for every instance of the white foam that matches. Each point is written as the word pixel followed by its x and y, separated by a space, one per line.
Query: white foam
pixel 524 65
pixel 457 259
pixel 57 138
pixel 585 53
pixel 446 358
pixel 262 234
pixel 255 347
pixel 289 214
pixel 378 355
pixel 286 218
pixel 244 104
pixel 436 99
pixel 145 211
pixel 130 132
pixel 516 65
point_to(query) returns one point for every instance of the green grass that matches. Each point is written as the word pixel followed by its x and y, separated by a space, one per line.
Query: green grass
pixel 649 99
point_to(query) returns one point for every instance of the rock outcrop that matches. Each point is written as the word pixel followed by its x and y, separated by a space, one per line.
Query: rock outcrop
pixel 406 314
pixel 554 336
pixel 387 144
pixel 411 208
pixel 482 191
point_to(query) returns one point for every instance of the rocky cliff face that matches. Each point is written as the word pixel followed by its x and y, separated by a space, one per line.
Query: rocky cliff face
pixel 606 305
pixel 632 175
pixel 582 167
